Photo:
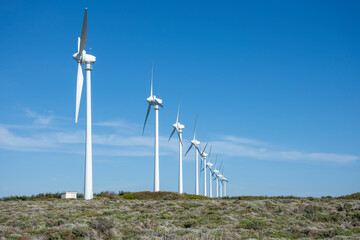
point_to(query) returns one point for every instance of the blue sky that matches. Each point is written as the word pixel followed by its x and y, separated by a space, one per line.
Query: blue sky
pixel 275 86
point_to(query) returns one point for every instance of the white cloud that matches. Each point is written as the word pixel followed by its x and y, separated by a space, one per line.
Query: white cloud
pixel 229 147
pixel 39 119
pixel 10 140
pixel 125 141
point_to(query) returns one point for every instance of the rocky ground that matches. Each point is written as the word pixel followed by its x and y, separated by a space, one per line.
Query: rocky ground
pixel 172 216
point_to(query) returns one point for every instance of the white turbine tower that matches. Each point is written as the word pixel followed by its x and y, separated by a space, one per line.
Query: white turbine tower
pixel 203 154
pixel 195 143
pixel 85 59
pixel 156 102
pixel 178 127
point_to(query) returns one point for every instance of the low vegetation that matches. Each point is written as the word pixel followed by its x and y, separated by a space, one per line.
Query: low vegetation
pixel 167 215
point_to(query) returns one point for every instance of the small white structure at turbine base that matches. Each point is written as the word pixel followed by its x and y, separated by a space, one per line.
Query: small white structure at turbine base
pixel 68 195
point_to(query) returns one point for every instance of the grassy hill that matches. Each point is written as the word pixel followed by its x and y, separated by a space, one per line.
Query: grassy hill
pixel 167 215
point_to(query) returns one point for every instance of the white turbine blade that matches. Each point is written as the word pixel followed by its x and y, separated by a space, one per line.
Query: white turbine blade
pixel 79 43
pixel 198 149
pixel 152 71
pixel 195 127
pixel 189 149
pixel 209 154
pixel 179 137
pixel 177 116
pixel 79 86
pixel 147 114
pixel 172 133
pixel 204 148
pixel 83 33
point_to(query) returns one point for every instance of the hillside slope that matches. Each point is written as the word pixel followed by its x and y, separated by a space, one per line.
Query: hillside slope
pixel 173 216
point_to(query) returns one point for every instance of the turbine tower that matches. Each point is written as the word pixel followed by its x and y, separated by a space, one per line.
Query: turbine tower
pixel 156 102
pixel 196 144
pixel 178 127
pixel 85 59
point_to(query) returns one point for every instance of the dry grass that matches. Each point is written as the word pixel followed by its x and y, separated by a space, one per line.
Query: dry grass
pixel 165 215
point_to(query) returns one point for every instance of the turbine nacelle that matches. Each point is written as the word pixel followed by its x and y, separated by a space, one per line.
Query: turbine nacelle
pixel 153 100
pixel 84 58
pixel 178 126
pixel 204 154
pixel 209 164
pixel 216 172
pixel 195 142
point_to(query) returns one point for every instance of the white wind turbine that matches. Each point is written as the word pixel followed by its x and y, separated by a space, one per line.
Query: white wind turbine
pixel 216 172
pixel 219 177
pixel 224 180
pixel 178 127
pixel 85 59
pixel 203 154
pixel 195 143
pixel 156 102
pixel 209 165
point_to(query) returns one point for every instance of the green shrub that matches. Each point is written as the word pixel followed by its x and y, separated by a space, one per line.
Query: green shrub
pixel 251 224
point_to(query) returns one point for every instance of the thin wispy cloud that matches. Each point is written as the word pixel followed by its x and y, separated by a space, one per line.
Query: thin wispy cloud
pixel 230 146
pixel 38 118
pixel 124 141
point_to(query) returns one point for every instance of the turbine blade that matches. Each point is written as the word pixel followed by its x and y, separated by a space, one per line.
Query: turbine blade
pixel 198 149
pixel 177 116
pixel 204 148
pixel 209 154
pixel 147 114
pixel 179 137
pixel 79 43
pixel 195 127
pixel 189 149
pixel 79 86
pixel 83 33
pixel 172 133
pixel 152 72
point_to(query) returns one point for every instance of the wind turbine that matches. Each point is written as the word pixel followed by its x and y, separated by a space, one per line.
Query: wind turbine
pixel 196 144
pixel 156 102
pixel 203 154
pixel 209 165
pixel 224 180
pixel 219 177
pixel 216 172
pixel 85 59
pixel 178 127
